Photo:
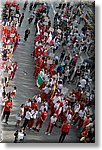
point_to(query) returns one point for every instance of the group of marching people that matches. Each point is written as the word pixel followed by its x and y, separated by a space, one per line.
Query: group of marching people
pixel 77 106
pixel 10 41
pixel 59 106
pixel 54 72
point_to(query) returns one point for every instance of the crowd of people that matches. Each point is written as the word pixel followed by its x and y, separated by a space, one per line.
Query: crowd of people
pixel 10 41
pixel 57 50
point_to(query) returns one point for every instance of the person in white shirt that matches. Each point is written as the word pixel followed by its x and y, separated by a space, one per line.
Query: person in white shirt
pixel 82 83
pixel 27 105
pixel 44 105
pixel 57 104
pixel 47 89
pixel 51 124
pixel 20 115
pixel 45 93
pixel 28 116
pixel 37 98
pixel 56 98
pixel 34 113
pixel 80 118
pixel 76 107
pixel 19 136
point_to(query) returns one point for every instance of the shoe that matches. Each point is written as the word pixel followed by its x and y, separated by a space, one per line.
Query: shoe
pixel 46 133
pixel 49 134
pixel 30 128
pixel 6 122
pixel 34 128
pixel 37 130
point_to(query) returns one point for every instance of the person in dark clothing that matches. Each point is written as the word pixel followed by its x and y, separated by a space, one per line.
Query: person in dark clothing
pixel 27 32
pixel 31 18
pixel 31 6
pixel 28 116
pixel 64 131
pixel 19 136
pixel 16 136
pixel 62 55
pixel 4 92
pixel 25 5
pixel 21 19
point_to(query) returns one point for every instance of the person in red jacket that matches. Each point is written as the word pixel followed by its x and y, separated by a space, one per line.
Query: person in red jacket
pixel 34 104
pixel 64 131
pixel 84 135
pixel 41 119
pixel 7 110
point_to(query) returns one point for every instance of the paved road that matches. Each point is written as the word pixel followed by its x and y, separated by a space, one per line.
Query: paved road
pixel 25 84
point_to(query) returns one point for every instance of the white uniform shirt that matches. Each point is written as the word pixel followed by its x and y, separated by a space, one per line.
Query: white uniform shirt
pixel 28 104
pixel 53 119
pixel 38 99
pixel 56 106
pixel 21 111
pixel 34 114
pixel 28 115
pixel 82 113
pixel 76 107
pixel 60 86
pixel 20 136
pixel 56 98
pixel 42 108
pixel 47 90
pixel 83 83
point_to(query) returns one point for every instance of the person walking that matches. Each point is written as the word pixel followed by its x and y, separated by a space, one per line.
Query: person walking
pixel 21 19
pixel 64 131
pixel 25 5
pixel 31 6
pixel 34 113
pixel 7 110
pixel 13 92
pixel 31 18
pixel 51 124
pixel 27 32
pixel 43 116
pixel 20 115
pixel 28 116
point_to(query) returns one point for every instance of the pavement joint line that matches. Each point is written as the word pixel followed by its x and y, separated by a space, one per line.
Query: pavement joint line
pixel 53 9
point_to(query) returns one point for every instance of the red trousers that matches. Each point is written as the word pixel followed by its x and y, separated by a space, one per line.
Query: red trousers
pixel 45 96
pixel 79 120
pixel 39 122
pixel 30 123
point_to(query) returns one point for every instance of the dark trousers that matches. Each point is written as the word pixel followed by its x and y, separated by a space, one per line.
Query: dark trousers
pixel 25 123
pixel 7 114
pixel 26 36
pixel 62 137
pixel 20 23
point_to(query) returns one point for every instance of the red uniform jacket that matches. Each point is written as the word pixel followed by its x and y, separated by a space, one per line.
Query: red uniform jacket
pixel 44 115
pixel 34 105
pixel 65 128
pixel 8 106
